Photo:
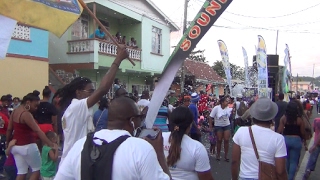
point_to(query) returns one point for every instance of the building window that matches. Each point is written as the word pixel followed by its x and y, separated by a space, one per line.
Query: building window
pixel 80 29
pixel 21 32
pixel 156 40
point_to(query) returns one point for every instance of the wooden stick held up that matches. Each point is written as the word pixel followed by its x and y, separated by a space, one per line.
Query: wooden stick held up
pixel 84 5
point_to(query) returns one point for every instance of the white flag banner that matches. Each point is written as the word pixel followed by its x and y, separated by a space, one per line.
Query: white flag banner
pixel 6 31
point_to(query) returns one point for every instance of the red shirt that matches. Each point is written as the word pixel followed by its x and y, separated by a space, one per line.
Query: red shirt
pixel 4 126
pixel 5 112
pixel 308 106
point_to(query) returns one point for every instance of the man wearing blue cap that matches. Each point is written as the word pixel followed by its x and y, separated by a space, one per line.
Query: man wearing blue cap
pixel 194 132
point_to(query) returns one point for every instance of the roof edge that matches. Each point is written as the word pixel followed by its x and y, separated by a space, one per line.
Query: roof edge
pixel 163 14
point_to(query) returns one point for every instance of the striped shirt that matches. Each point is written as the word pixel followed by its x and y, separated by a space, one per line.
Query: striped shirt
pixel 161 119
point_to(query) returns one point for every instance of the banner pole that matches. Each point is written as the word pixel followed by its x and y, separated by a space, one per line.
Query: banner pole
pixel 84 5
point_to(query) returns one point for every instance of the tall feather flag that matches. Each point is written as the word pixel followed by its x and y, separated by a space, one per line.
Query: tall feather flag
pixel 262 65
pixel 286 71
pixel 290 70
pixel 246 66
pixel 208 14
pixel 225 61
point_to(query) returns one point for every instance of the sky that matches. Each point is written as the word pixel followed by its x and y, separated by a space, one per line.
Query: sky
pixel 298 23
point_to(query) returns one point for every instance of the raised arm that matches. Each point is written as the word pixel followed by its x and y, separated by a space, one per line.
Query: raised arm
pixel 108 78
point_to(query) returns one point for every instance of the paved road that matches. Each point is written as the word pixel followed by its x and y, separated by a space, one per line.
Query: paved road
pixel 222 170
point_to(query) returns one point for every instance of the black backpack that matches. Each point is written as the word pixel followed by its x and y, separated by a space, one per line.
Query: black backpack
pixel 97 160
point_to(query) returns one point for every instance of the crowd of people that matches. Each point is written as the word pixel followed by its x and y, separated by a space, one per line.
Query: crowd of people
pixel 105 144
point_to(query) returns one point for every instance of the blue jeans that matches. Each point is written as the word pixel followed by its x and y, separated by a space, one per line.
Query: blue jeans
pixel 313 159
pixel 294 145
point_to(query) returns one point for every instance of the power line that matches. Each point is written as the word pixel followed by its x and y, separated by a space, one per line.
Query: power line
pixel 272 17
pixel 266 29
pixel 288 25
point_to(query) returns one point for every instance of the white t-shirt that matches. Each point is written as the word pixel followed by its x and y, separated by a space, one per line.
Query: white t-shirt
pixel 270 145
pixel 76 123
pixel 193 158
pixel 221 116
pixel 312 102
pixel 142 103
pixel 134 159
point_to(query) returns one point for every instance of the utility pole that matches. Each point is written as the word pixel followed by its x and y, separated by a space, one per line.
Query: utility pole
pixel 277 43
pixel 297 83
pixel 313 78
pixel 185 14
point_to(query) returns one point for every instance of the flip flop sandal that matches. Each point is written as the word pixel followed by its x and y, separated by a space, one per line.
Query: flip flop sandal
pixel 226 160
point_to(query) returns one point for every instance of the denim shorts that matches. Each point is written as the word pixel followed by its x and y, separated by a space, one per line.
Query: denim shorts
pixel 222 128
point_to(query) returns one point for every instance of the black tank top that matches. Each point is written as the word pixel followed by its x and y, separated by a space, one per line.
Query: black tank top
pixel 292 129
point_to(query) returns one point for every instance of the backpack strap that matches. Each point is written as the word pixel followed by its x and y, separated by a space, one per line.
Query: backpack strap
pixel 97 160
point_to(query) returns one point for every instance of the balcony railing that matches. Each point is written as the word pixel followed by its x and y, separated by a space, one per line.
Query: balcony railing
pixel 104 47
pixel 80 46
pixel 22 32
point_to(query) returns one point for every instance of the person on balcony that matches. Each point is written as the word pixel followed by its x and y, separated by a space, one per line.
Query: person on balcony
pixel 123 40
pixel 132 43
pixel 118 37
pixel 98 34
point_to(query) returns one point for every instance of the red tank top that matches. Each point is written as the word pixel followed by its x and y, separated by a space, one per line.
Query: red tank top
pixel 23 133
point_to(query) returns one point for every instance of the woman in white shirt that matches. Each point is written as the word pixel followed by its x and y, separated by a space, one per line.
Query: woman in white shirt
pixel 270 145
pixel 221 114
pixel 186 158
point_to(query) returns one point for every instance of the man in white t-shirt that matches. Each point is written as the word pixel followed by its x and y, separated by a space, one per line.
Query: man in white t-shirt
pixel 144 101
pixel 271 147
pixel 77 99
pixel 134 158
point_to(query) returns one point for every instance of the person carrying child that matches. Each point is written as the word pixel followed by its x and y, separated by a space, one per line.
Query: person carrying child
pixel 49 158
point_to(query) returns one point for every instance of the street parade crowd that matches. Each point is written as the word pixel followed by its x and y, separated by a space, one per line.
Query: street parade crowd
pixel 192 127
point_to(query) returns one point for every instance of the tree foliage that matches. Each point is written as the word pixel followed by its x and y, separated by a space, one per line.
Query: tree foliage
pixel 237 72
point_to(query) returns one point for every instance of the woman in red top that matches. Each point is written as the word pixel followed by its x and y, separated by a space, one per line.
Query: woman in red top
pixel 26 152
